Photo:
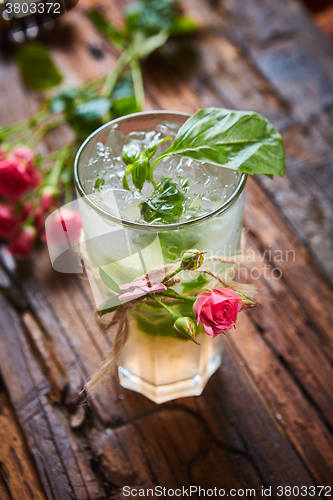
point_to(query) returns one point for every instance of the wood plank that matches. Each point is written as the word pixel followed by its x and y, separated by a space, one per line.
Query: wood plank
pixel 18 476
pixel 174 446
pixel 305 194
pixel 298 419
pixel 232 393
pixel 258 424
pixel 61 459
pixel 307 332
pixel 324 20
pixel 302 275
pixel 64 308
pixel 288 49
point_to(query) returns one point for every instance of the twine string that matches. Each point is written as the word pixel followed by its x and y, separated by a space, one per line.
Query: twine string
pixel 120 319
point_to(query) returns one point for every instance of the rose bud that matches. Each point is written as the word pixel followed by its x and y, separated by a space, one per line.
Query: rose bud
pixel 192 259
pixel 9 223
pixel 217 310
pixel 185 326
pixel 22 244
pixel 49 196
pixel 17 177
pixel 64 227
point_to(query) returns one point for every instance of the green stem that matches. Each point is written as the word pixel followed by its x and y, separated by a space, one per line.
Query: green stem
pixel 41 132
pixel 137 82
pixel 23 125
pixel 55 154
pixel 172 274
pixel 167 308
pixel 159 158
pixel 175 295
pixel 112 77
pixel 56 170
pixel 68 192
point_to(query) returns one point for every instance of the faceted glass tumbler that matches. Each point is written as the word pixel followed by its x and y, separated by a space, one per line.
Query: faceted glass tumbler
pixel 155 361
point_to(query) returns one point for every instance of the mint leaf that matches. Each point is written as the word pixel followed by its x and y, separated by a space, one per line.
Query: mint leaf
pixel 150 16
pixel 130 153
pixel 165 205
pixel 124 106
pixel 88 116
pixel 140 172
pixel 239 140
pixel 99 183
pixel 124 101
pixel 37 67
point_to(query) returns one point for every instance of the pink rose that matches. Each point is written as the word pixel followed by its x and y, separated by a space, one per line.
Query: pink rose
pixel 39 220
pixel 9 223
pixel 23 153
pixel 217 310
pixel 26 210
pixel 22 244
pixel 64 227
pixel 17 176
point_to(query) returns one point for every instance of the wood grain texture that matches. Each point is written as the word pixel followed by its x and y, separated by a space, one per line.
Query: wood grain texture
pixel 18 477
pixel 282 66
pixel 266 417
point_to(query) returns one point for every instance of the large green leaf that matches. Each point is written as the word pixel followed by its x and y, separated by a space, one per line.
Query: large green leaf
pixel 37 67
pixel 239 140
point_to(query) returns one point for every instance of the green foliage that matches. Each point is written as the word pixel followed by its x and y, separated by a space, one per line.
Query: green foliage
pixel 239 140
pixel 37 67
pixel 124 100
pixel 174 243
pixel 89 115
pixel 165 205
pixel 124 106
pixel 199 282
pixel 105 27
pixel 138 163
pixel 139 171
pixel 153 319
pixel 153 16
pixel 84 109
pixel 130 153
pixel 99 183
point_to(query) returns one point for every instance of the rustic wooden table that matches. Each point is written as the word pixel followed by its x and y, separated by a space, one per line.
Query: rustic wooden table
pixel 266 417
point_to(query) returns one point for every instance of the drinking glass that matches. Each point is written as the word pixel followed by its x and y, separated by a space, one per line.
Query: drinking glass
pixel 155 361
